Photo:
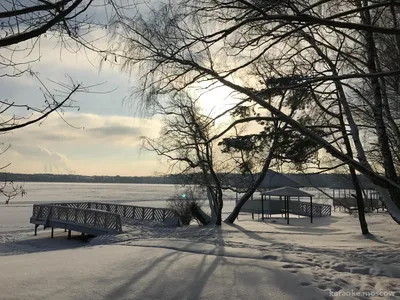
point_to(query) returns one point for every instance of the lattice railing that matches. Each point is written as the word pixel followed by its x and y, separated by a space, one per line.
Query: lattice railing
pixel 295 207
pixel 125 211
pixel 85 217
pixel 319 210
pixel 135 212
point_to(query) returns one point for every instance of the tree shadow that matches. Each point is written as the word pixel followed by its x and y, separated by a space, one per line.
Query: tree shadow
pixel 173 277
pixel 250 234
pixel 372 237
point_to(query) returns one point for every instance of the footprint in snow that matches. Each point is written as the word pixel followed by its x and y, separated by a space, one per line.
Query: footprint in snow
pixel 305 283
pixel 288 266
pixel 336 288
pixel 271 257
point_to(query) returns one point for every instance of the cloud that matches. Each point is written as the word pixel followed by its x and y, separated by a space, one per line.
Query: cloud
pixel 101 145
pixel 104 137
pixel 86 129
pixel 112 130
pixel 44 157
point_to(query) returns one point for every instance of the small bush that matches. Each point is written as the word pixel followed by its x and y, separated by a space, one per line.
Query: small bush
pixel 185 205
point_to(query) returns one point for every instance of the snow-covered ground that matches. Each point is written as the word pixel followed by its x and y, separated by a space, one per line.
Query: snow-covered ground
pixel 329 259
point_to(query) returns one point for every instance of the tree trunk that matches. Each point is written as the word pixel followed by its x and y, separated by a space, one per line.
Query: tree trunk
pixel 234 214
pixel 394 209
pixel 344 106
pixel 218 222
pixel 211 203
pixel 220 205
pixel 360 202
pixel 201 216
pixel 392 197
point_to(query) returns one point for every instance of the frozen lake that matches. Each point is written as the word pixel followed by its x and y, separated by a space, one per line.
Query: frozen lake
pixel 38 192
pixel 16 215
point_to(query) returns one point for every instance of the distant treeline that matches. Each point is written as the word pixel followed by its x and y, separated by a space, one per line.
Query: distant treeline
pixel 272 179
pixel 170 179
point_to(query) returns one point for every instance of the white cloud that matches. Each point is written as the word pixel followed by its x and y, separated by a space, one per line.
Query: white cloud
pixel 106 145
pixel 106 139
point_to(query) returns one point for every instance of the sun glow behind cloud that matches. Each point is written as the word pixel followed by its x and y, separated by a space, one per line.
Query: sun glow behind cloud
pixel 215 100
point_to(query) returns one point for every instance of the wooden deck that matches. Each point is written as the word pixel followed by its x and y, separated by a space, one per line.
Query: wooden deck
pixel 93 218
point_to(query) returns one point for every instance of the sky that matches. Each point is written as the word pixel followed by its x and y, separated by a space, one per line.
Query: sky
pixel 102 137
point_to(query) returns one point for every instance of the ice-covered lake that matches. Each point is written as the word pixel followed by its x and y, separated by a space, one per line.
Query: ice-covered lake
pixel 56 191
pixel 154 195
pixel 38 192
pixel 16 214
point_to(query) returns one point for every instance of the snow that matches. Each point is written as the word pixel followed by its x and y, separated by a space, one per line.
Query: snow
pixel 121 272
pixel 248 260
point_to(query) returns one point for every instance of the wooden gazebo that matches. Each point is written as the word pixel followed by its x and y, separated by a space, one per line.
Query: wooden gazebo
pixel 272 180
pixel 284 203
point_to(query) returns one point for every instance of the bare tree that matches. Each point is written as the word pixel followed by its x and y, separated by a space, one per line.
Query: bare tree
pixel 185 142
pixel 187 42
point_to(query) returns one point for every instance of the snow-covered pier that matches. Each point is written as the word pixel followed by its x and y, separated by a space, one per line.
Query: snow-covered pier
pixel 93 218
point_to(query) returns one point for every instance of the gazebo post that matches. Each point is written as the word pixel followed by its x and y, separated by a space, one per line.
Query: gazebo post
pixel 269 207
pixel 287 208
pixel 262 207
pixel 311 209
pixel 371 201
pixel 298 200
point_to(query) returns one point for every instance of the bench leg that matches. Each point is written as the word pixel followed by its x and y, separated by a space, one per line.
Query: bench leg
pixel 36 226
pixel 69 234
pixel 52 232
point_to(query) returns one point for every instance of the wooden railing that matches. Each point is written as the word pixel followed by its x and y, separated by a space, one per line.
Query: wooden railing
pixel 94 217
pixel 319 210
pixel 126 211
pixel 295 207
pixel 48 215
